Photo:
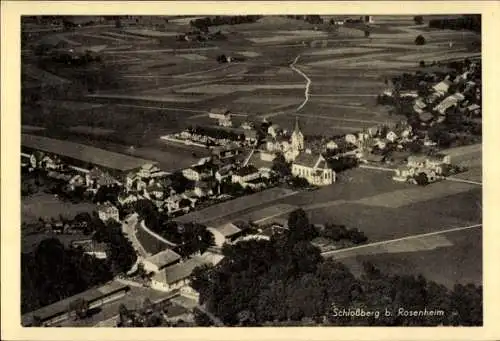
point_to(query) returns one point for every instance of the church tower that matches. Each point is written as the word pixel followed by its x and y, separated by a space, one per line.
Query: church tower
pixel 297 137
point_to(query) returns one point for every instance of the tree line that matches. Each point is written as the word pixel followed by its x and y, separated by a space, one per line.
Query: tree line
pixel 466 22
pixel 203 23
pixel 53 272
pixel 286 281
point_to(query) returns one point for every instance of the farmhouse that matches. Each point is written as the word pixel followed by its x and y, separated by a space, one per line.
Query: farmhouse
pixel 199 172
pixel 160 261
pixel 226 233
pixel 263 161
pixel 245 174
pixel 176 276
pixel 438 163
pixel 108 212
pixel 314 169
pixel 442 87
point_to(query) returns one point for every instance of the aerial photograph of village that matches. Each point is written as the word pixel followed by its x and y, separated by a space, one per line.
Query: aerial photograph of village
pixel 251 170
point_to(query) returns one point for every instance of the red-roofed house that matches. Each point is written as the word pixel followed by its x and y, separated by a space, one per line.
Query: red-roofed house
pixel 314 169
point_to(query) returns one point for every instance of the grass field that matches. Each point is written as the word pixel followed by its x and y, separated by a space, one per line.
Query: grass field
pixel 46 206
pixel 451 258
pixel 235 206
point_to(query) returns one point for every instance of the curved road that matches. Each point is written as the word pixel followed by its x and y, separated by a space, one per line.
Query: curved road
pixel 308 82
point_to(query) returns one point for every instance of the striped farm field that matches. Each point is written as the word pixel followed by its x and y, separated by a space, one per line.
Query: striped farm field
pixel 150 33
pixel 409 196
pixel 341 51
pixel 271 100
pixel 230 88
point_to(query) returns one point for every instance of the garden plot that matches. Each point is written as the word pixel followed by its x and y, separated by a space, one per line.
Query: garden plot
pixel 224 89
pixel 150 33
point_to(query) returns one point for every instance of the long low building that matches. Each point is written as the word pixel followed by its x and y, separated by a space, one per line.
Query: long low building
pixel 58 311
pixel 85 156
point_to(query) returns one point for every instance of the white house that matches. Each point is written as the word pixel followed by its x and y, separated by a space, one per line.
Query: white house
pixel 198 172
pixel 161 260
pixel 351 138
pixel 155 191
pixel 391 136
pixel 245 174
pixel 314 169
pixel 107 212
pixel 274 130
pixel 226 233
pixel 442 87
pixel 437 163
pixel 219 114
pixel 332 145
pixel 202 189
pixel 224 172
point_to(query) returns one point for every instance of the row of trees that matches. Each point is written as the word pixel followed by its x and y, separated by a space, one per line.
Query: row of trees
pixel 287 280
pixel 203 23
pixel 470 22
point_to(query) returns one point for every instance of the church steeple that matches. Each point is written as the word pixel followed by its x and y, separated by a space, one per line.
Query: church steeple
pixel 297 137
pixel 297 128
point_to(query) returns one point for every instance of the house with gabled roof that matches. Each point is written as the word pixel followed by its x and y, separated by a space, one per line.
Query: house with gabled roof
pixel 225 233
pixel 176 276
pixel 314 169
pixel 108 211
pixel 161 260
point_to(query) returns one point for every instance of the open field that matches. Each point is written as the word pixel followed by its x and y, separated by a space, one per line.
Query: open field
pixel 235 206
pixel 158 85
pixel 448 258
pixel 46 206
pixel 90 130
pixel 150 33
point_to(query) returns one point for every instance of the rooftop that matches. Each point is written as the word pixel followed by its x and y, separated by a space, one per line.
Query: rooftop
pixel 307 160
pixel 228 229
pixel 178 272
pixel 164 258
pixel 247 170
pixel 77 151
pixel 61 307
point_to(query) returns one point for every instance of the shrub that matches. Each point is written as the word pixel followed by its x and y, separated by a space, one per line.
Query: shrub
pixel 420 40
pixel 419 20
